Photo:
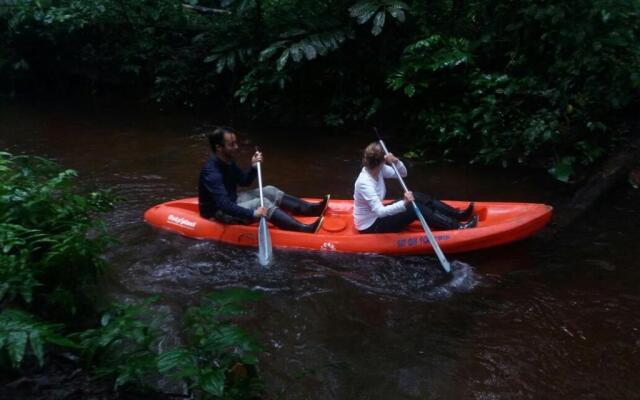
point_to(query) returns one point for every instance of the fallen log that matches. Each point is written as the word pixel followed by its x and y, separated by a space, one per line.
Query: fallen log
pixel 614 170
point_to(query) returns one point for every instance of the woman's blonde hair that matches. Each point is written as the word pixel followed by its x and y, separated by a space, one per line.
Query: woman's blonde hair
pixel 373 155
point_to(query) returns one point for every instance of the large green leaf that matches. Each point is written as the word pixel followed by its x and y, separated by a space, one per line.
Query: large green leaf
pixel 18 327
pixel 178 361
pixel 16 346
pixel 212 381
pixel 378 23
pixel 363 11
pixel 282 60
pixel 37 346
pixel 309 49
pixel 397 10
pixel 563 170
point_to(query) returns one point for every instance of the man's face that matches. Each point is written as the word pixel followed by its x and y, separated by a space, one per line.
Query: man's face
pixel 230 146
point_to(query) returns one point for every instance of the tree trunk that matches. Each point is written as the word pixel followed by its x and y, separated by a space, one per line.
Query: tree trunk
pixel 611 172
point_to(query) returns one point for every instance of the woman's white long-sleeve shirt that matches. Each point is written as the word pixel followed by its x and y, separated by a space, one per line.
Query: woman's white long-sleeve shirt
pixel 368 194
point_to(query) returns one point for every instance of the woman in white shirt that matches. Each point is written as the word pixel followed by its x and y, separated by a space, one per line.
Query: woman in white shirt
pixel 371 216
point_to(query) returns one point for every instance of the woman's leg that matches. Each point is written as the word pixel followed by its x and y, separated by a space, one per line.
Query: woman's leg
pixel 437 205
pixel 392 223
pixel 436 219
pixel 399 222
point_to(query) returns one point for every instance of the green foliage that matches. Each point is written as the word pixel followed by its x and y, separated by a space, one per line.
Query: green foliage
pixel 50 242
pixel 523 81
pixel 426 61
pixel 91 43
pixel 563 169
pixel 17 329
pixel 215 348
pixel 50 246
pixel 506 82
pixel 377 11
pixel 302 44
pixel 127 347
pixel 123 347
pixel 50 249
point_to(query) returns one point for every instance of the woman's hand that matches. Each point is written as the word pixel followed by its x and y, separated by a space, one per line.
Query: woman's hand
pixel 390 158
pixel 408 198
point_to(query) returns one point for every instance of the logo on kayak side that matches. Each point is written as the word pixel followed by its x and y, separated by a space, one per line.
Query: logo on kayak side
pixel 172 219
pixel 420 240
pixel 328 246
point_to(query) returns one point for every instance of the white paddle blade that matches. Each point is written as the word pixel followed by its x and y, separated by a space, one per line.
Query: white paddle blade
pixel 265 253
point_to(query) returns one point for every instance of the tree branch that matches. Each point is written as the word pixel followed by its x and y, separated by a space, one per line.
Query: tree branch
pixel 205 10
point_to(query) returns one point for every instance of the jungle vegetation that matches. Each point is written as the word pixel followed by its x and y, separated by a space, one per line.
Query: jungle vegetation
pixel 51 261
pixel 545 83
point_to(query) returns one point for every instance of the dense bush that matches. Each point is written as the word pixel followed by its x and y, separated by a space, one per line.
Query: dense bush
pixel 530 78
pixel 17 329
pixel 51 243
pixel 50 254
pixel 216 359
pixel 50 257
pixel 491 82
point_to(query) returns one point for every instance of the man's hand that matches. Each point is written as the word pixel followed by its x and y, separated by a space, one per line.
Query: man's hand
pixel 260 212
pixel 257 157
pixel 390 158
pixel 408 198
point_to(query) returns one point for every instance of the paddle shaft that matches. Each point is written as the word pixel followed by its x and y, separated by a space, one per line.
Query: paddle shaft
pixel 260 184
pixel 264 238
pixel 436 247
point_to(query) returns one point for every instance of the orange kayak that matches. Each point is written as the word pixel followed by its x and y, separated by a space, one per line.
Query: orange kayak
pixel 499 223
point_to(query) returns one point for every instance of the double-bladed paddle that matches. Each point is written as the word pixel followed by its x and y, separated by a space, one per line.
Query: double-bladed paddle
pixel 423 222
pixel 265 253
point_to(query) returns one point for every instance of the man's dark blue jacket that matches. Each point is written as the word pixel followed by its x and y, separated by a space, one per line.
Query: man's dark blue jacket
pixel 217 188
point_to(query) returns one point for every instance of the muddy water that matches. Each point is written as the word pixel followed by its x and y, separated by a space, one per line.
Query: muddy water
pixel 532 320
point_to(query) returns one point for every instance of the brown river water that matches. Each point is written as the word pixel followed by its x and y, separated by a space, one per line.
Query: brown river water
pixel 537 319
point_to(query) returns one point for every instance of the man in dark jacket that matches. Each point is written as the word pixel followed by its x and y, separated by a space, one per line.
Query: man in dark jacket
pixel 218 197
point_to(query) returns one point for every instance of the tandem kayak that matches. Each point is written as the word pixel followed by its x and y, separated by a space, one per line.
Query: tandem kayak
pixel 499 223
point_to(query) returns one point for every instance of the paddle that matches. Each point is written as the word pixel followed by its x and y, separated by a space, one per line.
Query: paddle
pixel 265 253
pixel 432 240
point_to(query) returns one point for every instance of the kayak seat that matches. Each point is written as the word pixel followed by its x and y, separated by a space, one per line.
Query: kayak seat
pixel 334 225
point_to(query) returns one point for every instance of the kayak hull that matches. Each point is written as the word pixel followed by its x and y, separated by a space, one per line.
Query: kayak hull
pixel 500 223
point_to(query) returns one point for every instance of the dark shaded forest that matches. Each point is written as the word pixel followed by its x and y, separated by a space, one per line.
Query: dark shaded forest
pixel 548 84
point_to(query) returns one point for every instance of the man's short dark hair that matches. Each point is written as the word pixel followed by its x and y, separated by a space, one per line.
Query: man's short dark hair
pixel 216 137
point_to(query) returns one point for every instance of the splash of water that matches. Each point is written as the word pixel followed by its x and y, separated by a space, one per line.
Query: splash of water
pixel 416 278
